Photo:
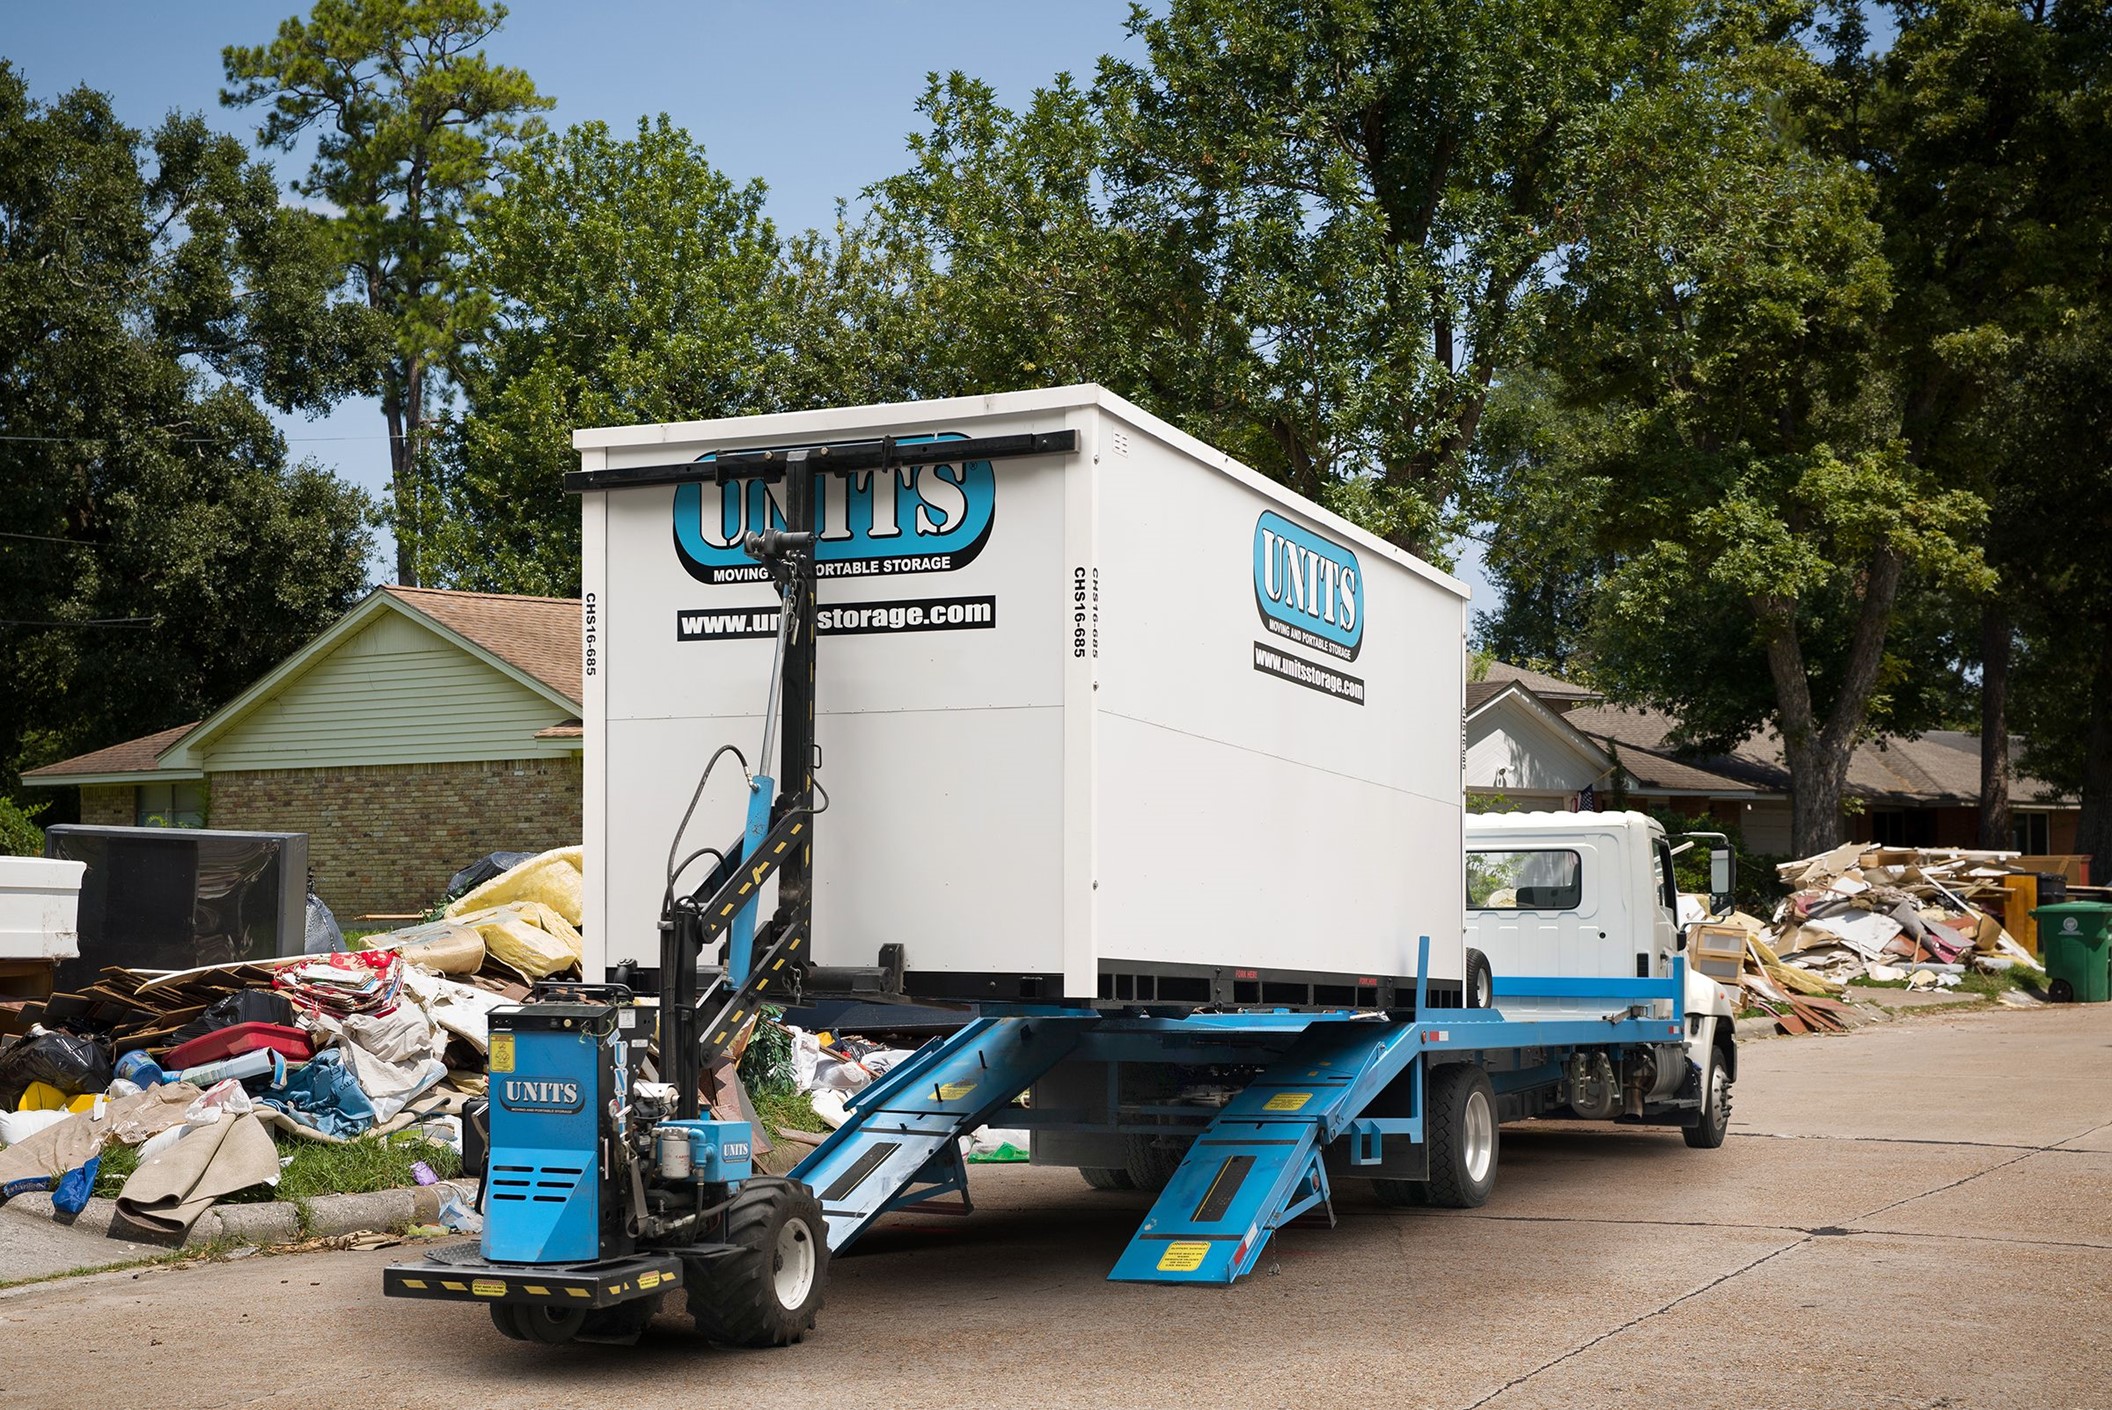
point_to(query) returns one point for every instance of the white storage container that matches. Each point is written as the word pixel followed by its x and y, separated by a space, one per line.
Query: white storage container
pixel 1131 722
pixel 40 908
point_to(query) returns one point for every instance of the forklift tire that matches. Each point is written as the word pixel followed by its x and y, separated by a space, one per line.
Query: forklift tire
pixel 1152 1161
pixel 509 1326
pixel 1402 1194
pixel 1708 1133
pixel 552 1326
pixel 1106 1177
pixel 1462 1136
pixel 766 1293
pixel 1480 990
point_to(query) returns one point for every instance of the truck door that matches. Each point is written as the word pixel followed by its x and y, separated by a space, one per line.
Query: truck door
pixel 1664 930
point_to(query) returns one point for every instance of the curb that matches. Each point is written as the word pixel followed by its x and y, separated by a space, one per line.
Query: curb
pixel 278 1222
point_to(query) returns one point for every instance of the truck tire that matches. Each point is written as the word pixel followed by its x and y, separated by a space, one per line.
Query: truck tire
pixel 1462 1137
pixel 767 1293
pixel 1102 1177
pixel 1708 1133
pixel 1480 989
pixel 1152 1161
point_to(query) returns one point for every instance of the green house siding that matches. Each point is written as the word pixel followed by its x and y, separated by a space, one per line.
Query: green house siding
pixel 392 693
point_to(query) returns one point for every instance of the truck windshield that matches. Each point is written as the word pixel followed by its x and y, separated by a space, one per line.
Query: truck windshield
pixel 1524 881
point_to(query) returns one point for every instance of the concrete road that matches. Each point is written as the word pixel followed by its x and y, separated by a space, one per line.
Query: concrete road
pixel 1917 1214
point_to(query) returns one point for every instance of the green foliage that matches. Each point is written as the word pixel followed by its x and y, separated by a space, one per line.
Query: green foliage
pixel 783 1107
pixel 657 297
pixel 19 834
pixel 314 1168
pixel 1758 888
pixel 151 285
pixel 766 1066
pixel 408 118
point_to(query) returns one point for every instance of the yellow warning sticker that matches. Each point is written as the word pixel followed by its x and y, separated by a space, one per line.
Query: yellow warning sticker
pixel 1287 1101
pixel 954 1091
pixel 488 1287
pixel 501 1058
pixel 1183 1257
pixel 648 1280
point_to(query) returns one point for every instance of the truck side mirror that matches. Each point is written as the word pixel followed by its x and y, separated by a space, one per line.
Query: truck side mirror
pixel 1723 878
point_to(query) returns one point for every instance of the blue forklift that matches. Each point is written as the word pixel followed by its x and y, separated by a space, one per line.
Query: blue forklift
pixel 604 1190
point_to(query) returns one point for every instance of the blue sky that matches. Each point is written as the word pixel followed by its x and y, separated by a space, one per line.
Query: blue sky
pixel 813 96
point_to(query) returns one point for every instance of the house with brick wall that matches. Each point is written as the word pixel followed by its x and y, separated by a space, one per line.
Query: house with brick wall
pixel 421 731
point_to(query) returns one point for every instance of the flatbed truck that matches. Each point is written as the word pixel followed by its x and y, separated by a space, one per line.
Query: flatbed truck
pixel 1238 1095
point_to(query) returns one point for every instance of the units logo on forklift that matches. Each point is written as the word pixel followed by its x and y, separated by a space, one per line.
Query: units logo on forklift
pixel 911 519
pixel 1309 589
pixel 526 1094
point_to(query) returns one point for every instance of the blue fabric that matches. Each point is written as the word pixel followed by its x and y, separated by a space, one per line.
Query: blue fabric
pixel 69 1192
pixel 71 1197
pixel 323 1096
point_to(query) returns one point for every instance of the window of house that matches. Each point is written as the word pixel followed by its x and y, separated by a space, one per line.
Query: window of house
pixel 1903 827
pixel 170 805
pixel 2030 834
pixel 1525 881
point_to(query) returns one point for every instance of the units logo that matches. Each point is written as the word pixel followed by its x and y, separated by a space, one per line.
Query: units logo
pixel 1309 589
pixel 527 1094
pixel 908 519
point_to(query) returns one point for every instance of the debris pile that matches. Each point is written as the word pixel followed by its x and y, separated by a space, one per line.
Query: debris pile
pixel 198 1068
pixel 1869 913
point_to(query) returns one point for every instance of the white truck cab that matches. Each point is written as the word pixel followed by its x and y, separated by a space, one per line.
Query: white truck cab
pixel 1592 895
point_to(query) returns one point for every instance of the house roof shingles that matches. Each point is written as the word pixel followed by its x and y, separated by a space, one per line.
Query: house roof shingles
pixel 539 636
pixel 1941 766
pixel 133 756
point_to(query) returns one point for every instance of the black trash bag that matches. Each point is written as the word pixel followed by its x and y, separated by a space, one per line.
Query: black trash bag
pixel 484 869
pixel 249 1006
pixel 324 938
pixel 72 1064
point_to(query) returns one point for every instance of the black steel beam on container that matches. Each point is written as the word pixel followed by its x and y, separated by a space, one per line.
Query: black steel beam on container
pixel 882 454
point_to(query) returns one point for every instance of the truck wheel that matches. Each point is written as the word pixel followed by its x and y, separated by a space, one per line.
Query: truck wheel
pixel 767 1293
pixel 1106 1177
pixel 509 1326
pixel 1152 1161
pixel 1402 1194
pixel 1480 987
pixel 1708 1133
pixel 1462 1136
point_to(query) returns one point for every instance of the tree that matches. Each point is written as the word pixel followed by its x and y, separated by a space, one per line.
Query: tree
pixel 1378 190
pixel 663 294
pixel 160 554
pixel 1995 186
pixel 631 281
pixel 2060 412
pixel 1767 526
pixel 409 119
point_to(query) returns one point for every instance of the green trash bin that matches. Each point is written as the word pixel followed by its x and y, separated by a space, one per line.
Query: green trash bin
pixel 2074 938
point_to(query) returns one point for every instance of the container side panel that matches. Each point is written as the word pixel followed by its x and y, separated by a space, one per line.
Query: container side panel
pixel 943 602
pixel 1280 755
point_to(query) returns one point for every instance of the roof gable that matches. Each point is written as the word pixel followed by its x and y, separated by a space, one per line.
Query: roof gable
pixel 1515 741
pixel 533 642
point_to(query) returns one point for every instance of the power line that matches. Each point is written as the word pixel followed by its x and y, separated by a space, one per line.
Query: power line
pixel 203 440
pixel 88 622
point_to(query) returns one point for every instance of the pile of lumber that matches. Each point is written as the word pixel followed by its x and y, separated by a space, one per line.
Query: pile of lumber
pixel 1862 912
pixel 141 1008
